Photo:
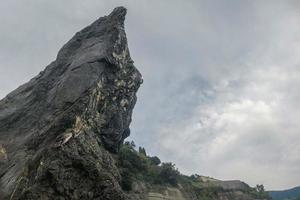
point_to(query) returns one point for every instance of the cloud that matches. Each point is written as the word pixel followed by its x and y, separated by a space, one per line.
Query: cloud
pixel 248 130
pixel 243 105
pixel 221 90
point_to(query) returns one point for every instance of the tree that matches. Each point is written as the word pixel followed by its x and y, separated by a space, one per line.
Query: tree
pixel 142 151
pixel 128 156
pixel 260 188
pixel 130 144
pixel 126 181
pixel 155 160
pixel 260 192
pixel 195 177
pixel 131 159
pixel 168 173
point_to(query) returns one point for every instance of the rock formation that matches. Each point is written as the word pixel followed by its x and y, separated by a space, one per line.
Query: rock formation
pixel 54 129
pixel 61 133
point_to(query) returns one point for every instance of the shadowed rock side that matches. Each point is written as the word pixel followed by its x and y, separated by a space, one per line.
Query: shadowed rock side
pixel 56 129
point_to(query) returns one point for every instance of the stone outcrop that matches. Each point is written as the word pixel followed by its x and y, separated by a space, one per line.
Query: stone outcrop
pixel 56 129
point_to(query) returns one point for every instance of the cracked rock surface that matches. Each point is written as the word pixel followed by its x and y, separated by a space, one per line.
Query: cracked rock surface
pixel 58 130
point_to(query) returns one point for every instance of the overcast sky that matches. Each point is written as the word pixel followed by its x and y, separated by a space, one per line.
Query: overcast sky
pixel 221 78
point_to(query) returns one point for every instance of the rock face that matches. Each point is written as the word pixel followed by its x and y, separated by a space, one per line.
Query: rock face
pixel 57 130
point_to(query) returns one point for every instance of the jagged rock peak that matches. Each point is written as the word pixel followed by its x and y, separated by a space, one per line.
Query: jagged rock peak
pixel 118 14
pixel 66 117
pixel 106 36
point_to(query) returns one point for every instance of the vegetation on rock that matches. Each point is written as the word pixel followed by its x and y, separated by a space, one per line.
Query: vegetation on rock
pixel 136 166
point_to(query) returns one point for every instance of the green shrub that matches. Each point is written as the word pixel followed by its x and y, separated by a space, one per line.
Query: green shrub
pixel 130 158
pixel 153 174
pixel 137 165
pixel 126 180
pixel 142 151
pixel 154 160
pixel 169 174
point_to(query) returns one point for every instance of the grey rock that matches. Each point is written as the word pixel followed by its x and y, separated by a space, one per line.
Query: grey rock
pixel 232 185
pixel 57 130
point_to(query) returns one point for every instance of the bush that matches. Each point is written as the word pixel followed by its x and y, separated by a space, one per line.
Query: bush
pixel 153 174
pixel 258 192
pixel 126 181
pixel 137 165
pixel 169 174
pixel 130 158
pixel 194 177
pixel 154 160
pixel 142 151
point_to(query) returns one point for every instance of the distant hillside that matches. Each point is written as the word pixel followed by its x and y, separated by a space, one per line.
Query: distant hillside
pixel 293 193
